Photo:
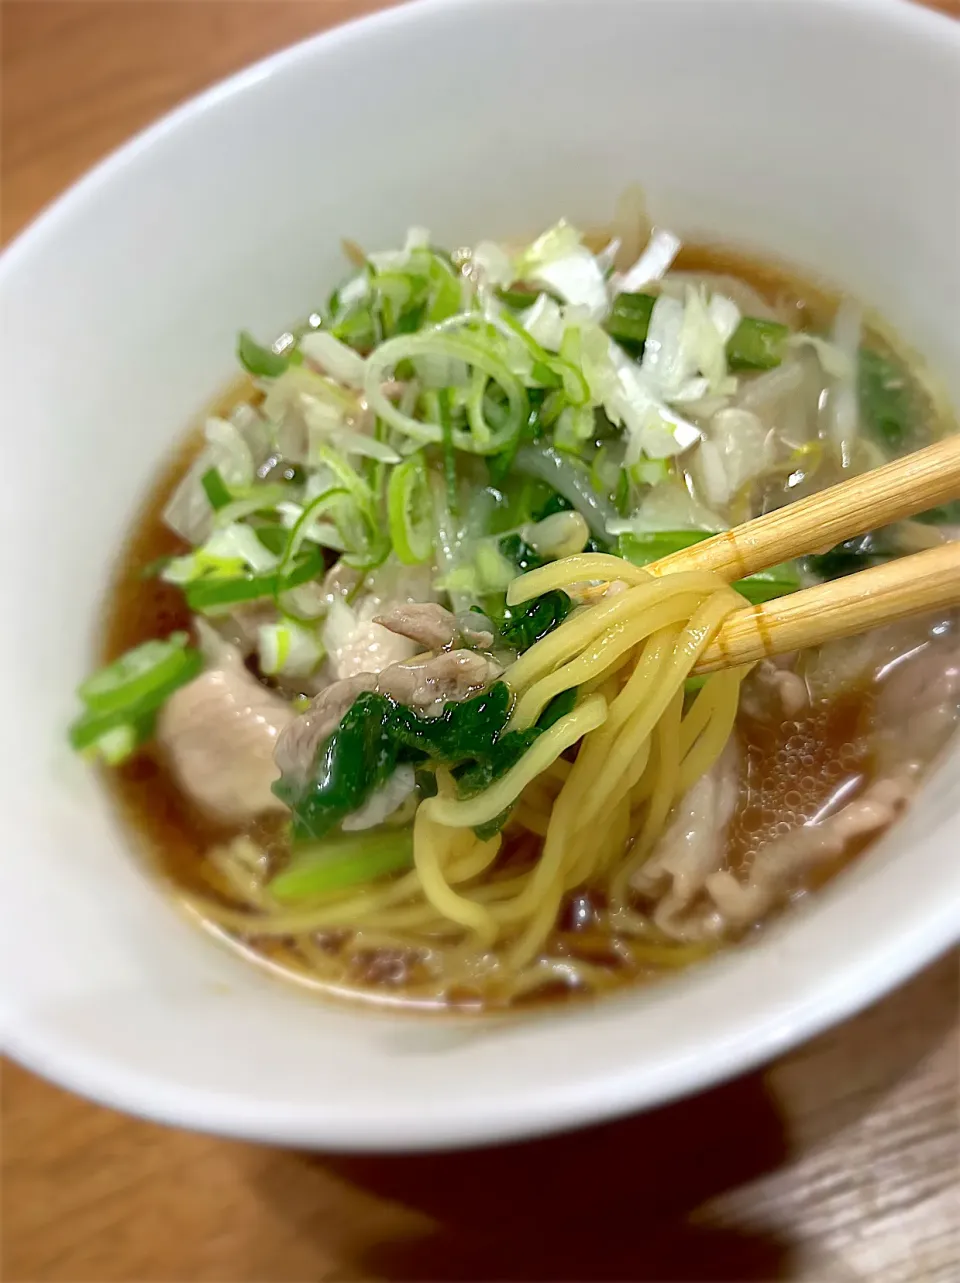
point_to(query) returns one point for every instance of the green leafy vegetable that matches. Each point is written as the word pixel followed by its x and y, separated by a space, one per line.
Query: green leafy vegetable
pixel 374 735
pixel 558 707
pixel 215 488
pixel 946 514
pixel 887 407
pixel 521 626
pixel 859 553
pixel 556 503
pixel 262 362
pixel 517 298
pixel 517 550
pixel 642 549
pixel 766 585
pixel 319 868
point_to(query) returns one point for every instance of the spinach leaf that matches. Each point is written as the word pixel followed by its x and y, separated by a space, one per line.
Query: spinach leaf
pixel 521 626
pixel 887 403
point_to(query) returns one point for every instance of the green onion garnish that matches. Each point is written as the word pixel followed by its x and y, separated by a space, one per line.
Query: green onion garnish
pixel 757 344
pixel 262 362
pixel 320 867
pixel 215 489
pixel 409 511
pixel 122 698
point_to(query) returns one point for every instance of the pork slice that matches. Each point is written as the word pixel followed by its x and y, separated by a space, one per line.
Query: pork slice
pixel 427 622
pixel 219 733
pixel 428 682
pixel 919 704
pixel 424 684
pixel 692 846
pixel 297 746
pixel 782 863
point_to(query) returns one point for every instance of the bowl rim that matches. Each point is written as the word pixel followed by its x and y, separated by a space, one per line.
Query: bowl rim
pixel 752 1039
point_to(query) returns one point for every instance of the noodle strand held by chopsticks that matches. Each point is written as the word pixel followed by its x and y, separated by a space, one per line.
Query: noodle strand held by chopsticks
pixel 592 820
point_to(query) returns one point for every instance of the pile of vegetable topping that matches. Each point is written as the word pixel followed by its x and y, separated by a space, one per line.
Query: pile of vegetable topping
pixel 449 422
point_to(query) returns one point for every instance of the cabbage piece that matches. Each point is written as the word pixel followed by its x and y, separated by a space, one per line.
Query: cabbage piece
pixel 732 452
pixel 544 322
pixel 228 449
pixel 558 261
pixel 288 649
pixel 334 358
pixel 660 251
pixel 229 551
pixel 669 506
pixel 653 428
pixel 392 260
pixel 493 265
pixel 684 357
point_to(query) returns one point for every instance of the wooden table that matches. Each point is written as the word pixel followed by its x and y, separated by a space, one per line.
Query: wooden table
pixel 838 1163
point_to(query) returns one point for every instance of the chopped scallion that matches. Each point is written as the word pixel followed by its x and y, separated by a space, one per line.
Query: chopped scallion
pixel 318 868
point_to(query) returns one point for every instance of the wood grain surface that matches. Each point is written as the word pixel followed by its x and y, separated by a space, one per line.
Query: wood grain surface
pixel 838 1163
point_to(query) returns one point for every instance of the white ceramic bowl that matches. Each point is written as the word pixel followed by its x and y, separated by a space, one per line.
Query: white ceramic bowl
pixel 822 131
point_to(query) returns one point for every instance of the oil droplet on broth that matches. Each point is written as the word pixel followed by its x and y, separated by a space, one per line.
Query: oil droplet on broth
pixel 790 771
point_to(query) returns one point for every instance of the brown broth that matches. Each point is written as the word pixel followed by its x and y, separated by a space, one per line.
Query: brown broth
pixel 789 770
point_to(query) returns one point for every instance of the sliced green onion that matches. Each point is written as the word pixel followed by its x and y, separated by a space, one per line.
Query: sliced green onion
pixel 288 648
pixel 112 737
pixel 629 320
pixel 476 352
pixel 410 511
pixel 262 362
pixel 445 291
pixel 215 488
pixel 321 867
pixel 757 344
pixel 132 680
pixel 215 595
pixel 449 457
pixel 545 375
pixel 261 498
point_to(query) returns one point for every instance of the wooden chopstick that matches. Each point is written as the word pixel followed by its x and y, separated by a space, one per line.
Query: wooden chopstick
pixel 923 581
pixel 897 490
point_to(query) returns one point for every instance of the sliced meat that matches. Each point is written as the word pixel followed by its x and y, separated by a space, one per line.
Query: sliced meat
pixel 693 844
pixel 219 733
pixel 919 704
pixel 774 691
pixel 356 644
pixel 296 749
pixel 427 683
pixel 779 866
pixel 424 684
pixel 426 622
pixel 476 630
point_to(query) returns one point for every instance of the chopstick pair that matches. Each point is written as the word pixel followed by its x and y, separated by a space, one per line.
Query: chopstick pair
pixel 919 582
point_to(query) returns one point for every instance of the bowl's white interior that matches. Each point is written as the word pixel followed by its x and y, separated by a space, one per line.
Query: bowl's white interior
pixel 826 132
